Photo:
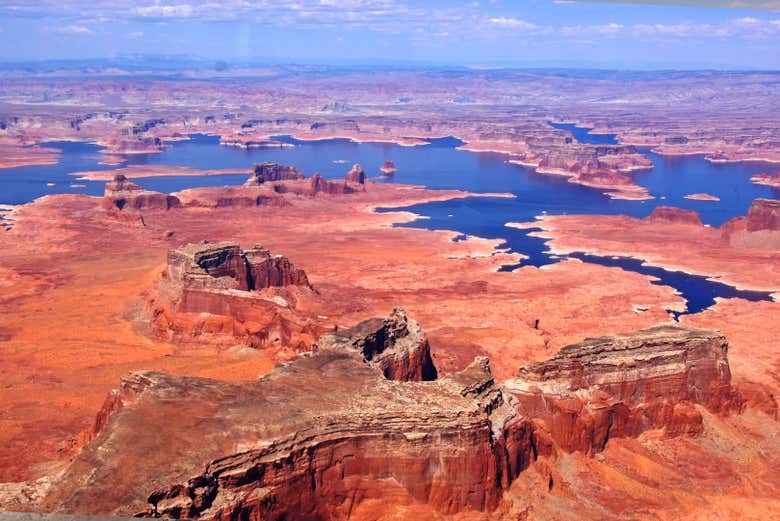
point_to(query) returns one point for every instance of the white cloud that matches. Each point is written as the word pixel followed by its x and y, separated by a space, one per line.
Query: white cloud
pixel 747 27
pixel 474 19
pixel 584 30
pixel 166 11
pixel 135 35
pixel 74 29
pixel 514 23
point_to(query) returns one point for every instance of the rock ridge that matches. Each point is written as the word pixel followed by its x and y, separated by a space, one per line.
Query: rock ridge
pixel 220 292
pixel 626 384
pixel 183 447
pixel 395 345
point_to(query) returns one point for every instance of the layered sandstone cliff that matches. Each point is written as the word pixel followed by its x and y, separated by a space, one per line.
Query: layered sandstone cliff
pixel 356 175
pixel 317 437
pixel 311 440
pixel 764 214
pixel 395 345
pixel 670 214
pixel 225 266
pixel 267 172
pixel 123 194
pixel 624 385
pixel 759 229
pixel 220 293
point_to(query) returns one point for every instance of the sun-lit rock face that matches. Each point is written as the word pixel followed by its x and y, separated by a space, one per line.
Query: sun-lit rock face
pixel 267 172
pixel 674 215
pixel 226 266
pixel 123 194
pixel 221 293
pixel 311 440
pixel 316 437
pixel 764 214
pixel 759 229
pixel 395 345
pixel 626 384
pixel 356 175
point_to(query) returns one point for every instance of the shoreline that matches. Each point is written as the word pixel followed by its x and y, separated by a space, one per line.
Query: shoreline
pixel 547 231
pixel 149 171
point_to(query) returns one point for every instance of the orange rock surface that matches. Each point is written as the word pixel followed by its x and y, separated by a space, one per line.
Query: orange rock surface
pixel 675 239
pixel 77 279
pixel 12 156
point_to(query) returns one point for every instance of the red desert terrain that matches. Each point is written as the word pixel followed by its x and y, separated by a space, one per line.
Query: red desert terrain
pixel 278 350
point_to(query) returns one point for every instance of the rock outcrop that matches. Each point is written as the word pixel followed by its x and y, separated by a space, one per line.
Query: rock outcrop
pixel 626 384
pixel 225 266
pixel 395 345
pixel 318 436
pixel 220 293
pixel 674 215
pixel 267 172
pixel 356 175
pixel 387 168
pixel 123 194
pixel 760 229
pixel 311 440
pixel 764 214
pixel 318 185
pixel 772 179
pixel 233 196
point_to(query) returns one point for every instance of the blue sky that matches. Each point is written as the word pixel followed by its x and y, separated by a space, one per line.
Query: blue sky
pixel 481 33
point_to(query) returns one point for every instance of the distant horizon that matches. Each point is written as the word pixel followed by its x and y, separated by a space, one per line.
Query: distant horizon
pixel 183 63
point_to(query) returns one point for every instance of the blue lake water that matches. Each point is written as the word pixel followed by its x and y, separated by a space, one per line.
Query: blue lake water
pixel 441 165
pixel 583 135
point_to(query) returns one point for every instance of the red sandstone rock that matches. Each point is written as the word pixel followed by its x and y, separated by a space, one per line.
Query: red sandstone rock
pixel 356 175
pixel 387 168
pixel 233 196
pixel 226 266
pixel 318 184
pixel 395 345
pixel 265 172
pixel 223 293
pixel 623 385
pixel 674 215
pixel 312 439
pixel 760 229
pixel 121 194
pixel 764 214
pixel 316 437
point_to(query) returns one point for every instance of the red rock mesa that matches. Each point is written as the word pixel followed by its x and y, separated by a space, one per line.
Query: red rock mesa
pixel 621 386
pixel 387 168
pixel 674 215
pixel 316 437
pixel 356 175
pixel 123 194
pixel 266 172
pixel 220 293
